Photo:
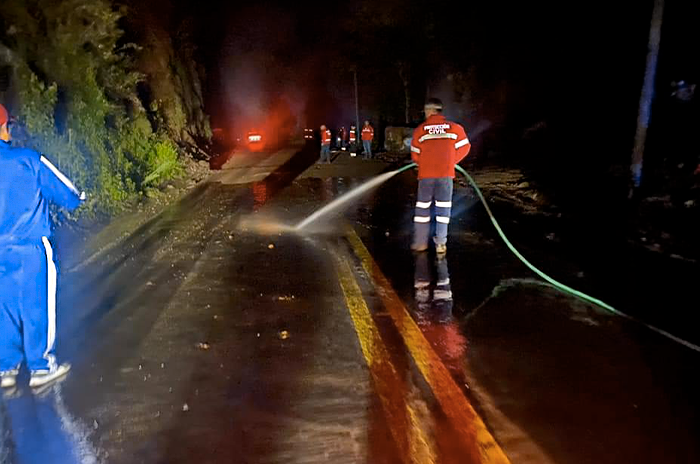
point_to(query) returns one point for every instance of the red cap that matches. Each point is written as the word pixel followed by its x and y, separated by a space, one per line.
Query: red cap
pixel 4 115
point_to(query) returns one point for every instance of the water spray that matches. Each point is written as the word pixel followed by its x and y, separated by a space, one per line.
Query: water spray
pixel 372 183
pixel 344 199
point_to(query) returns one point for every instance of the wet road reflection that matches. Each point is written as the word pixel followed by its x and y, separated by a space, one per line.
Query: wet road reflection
pixel 399 398
pixel 372 370
pixel 38 429
pixel 556 380
pixel 469 427
pixel 433 312
pixel 260 195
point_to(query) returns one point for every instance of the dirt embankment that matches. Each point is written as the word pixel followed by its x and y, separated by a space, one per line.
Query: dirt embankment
pixel 80 241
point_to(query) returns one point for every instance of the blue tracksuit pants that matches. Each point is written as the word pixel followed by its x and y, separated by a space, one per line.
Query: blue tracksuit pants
pixel 27 306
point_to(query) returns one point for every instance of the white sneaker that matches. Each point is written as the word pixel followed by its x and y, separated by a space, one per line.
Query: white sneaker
pixel 441 248
pixel 40 378
pixel 8 379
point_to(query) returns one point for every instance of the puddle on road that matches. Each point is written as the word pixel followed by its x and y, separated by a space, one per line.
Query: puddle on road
pixel 263 225
pixel 269 225
pixel 334 197
pixel 40 420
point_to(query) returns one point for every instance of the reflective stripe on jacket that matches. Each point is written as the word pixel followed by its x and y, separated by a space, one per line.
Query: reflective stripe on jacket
pixel 437 145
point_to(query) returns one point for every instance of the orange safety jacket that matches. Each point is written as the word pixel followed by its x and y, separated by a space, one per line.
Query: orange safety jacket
pixel 367 133
pixel 326 137
pixel 353 135
pixel 437 145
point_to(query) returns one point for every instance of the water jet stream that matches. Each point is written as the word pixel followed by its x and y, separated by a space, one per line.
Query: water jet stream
pixel 349 196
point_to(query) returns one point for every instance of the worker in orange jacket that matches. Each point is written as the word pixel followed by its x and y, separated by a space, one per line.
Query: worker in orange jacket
pixel 367 137
pixel 437 145
pixel 353 141
pixel 325 144
pixel 342 138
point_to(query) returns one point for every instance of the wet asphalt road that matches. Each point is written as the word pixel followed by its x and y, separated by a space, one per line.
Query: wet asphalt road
pixel 199 339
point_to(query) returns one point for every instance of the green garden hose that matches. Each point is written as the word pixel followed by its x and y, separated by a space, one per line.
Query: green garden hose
pixel 554 283
pixel 510 246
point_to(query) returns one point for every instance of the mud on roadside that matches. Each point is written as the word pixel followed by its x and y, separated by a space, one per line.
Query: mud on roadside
pixel 80 242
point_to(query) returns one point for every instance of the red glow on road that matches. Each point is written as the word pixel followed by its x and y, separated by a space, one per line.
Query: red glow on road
pixel 273 130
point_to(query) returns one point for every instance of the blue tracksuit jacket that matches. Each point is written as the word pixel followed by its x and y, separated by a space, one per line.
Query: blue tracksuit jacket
pixel 28 183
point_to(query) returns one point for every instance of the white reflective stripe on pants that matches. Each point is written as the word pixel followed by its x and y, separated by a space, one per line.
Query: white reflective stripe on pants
pixel 423 204
pixel 442 219
pixel 50 304
pixel 437 191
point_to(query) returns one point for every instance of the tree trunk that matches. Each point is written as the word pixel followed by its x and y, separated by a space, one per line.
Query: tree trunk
pixel 357 102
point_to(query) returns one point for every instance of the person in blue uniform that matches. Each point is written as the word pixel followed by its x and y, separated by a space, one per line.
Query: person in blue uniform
pixel 28 274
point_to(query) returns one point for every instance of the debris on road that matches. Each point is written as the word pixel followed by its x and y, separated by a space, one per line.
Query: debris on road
pixel 271 246
pixel 283 334
pixel 185 407
pixel 203 345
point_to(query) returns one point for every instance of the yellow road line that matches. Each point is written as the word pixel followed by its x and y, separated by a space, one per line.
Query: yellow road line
pixel 451 398
pixel 391 388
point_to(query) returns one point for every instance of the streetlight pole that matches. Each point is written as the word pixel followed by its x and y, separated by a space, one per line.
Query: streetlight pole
pixel 357 103
pixel 647 95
